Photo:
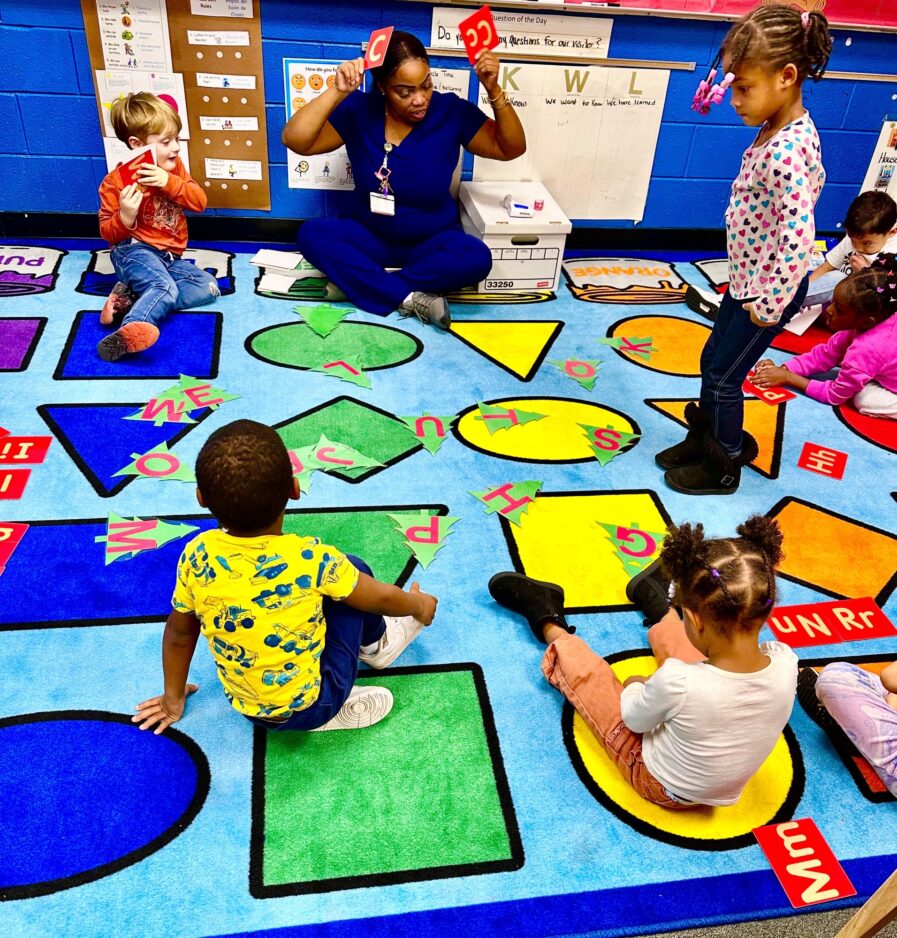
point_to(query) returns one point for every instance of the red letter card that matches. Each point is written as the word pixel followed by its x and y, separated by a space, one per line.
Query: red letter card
pixel 11 533
pixel 12 482
pixel 377 46
pixel 809 624
pixel 822 460
pixel 24 450
pixel 478 33
pixel 854 619
pixel 771 396
pixel 803 863
pixel 142 156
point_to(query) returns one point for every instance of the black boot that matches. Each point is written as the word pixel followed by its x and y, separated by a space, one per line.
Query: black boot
pixel 718 473
pixel 649 592
pixel 691 449
pixel 536 600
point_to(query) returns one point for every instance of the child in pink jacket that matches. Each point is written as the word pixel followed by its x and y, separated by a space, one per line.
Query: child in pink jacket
pixel 864 345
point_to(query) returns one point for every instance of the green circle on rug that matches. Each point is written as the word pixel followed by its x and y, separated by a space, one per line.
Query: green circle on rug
pixel 295 345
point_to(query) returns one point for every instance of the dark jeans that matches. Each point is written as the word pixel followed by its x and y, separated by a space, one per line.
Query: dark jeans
pixel 347 630
pixel 354 258
pixel 734 347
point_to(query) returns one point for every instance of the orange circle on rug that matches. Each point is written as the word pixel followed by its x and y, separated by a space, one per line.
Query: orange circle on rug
pixel 678 343
pixel 770 796
pixel 557 437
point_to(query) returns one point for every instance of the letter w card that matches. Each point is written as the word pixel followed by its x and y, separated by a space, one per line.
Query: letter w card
pixel 478 33
pixel 803 863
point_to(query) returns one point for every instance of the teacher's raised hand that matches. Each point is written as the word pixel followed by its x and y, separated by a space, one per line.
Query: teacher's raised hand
pixel 486 69
pixel 349 75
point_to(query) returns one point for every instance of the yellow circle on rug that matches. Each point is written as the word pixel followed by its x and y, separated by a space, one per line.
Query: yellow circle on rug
pixel 762 800
pixel 678 342
pixel 557 437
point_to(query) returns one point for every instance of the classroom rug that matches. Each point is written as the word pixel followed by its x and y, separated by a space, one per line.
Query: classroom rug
pixel 522 439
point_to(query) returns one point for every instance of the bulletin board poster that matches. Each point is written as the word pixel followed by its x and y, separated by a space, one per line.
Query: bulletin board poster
pixel 529 32
pixel 882 173
pixel 134 34
pixel 303 82
pixel 881 13
pixel 591 133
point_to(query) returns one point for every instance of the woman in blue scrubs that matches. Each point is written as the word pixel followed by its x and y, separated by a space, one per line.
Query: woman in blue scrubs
pixel 403 141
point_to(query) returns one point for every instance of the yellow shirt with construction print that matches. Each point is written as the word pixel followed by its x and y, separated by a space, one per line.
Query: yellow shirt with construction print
pixel 258 601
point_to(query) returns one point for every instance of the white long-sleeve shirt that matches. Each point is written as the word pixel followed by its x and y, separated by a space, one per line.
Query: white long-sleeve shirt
pixel 770 226
pixel 707 731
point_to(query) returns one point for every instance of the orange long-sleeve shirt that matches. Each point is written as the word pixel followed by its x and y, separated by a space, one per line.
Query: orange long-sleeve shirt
pixel 160 218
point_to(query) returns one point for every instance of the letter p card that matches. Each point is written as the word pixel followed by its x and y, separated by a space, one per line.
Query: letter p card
pixel 803 863
pixel 478 33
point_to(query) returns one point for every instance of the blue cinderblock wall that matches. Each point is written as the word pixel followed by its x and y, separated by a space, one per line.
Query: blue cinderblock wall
pixel 51 150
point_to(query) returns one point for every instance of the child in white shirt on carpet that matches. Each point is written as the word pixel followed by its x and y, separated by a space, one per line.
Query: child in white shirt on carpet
pixel 871 227
pixel 697 730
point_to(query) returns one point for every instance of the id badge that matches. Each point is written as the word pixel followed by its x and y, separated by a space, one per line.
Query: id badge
pixel 383 204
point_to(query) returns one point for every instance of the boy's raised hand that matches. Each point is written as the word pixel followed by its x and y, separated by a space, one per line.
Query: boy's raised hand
pixel 426 602
pixel 152 175
pixel 161 711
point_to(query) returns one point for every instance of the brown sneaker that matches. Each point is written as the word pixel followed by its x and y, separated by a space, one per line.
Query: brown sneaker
pixel 132 337
pixel 119 302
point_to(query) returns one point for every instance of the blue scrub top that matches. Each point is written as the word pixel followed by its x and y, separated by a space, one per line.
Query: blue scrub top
pixel 422 165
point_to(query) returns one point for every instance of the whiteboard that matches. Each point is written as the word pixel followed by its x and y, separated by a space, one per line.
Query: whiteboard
pixel 591 134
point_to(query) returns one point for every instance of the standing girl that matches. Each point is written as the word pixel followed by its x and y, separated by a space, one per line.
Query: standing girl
pixel 769 233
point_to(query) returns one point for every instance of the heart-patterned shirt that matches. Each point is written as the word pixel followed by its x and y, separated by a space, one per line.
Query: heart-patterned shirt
pixel 769 222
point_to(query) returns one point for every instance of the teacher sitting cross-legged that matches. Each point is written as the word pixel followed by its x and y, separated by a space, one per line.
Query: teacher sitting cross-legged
pixel 403 141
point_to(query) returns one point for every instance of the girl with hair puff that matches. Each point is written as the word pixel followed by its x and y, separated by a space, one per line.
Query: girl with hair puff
pixel 697 730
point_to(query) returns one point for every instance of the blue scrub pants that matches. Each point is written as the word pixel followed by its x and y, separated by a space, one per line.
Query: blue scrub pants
pixel 354 258
pixel 734 346
pixel 347 630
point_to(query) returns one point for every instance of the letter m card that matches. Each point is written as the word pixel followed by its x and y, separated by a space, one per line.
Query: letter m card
pixel 803 862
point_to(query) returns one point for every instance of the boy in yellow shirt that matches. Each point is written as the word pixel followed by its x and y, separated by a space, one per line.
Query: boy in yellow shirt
pixel 286 617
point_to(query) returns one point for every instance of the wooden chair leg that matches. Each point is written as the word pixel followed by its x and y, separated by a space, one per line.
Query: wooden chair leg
pixel 879 910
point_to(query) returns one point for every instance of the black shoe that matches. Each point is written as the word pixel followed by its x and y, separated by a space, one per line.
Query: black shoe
pixel 649 592
pixel 536 600
pixel 718 473
pixel 806 695
pixel 691 449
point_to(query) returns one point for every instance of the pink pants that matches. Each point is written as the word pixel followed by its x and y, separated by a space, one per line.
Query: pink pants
pixel 588 682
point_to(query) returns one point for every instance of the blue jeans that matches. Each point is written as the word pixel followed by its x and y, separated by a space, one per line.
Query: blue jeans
pixel 161 280
pixel 354 258
pixel 347 629
pixel 734 347
pixel 822 288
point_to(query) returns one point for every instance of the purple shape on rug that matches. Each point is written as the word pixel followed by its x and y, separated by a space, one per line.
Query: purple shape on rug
pixel 15 284
pixel 16 336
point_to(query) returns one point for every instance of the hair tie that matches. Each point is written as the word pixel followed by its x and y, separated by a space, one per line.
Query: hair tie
pixel 805 19
pixel 714 573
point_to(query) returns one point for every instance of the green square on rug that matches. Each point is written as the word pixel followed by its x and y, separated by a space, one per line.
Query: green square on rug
pixel 420 795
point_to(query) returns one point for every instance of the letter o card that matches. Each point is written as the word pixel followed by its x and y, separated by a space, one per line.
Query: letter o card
pixel 803 862
pixel 478 33
pixel 377 46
